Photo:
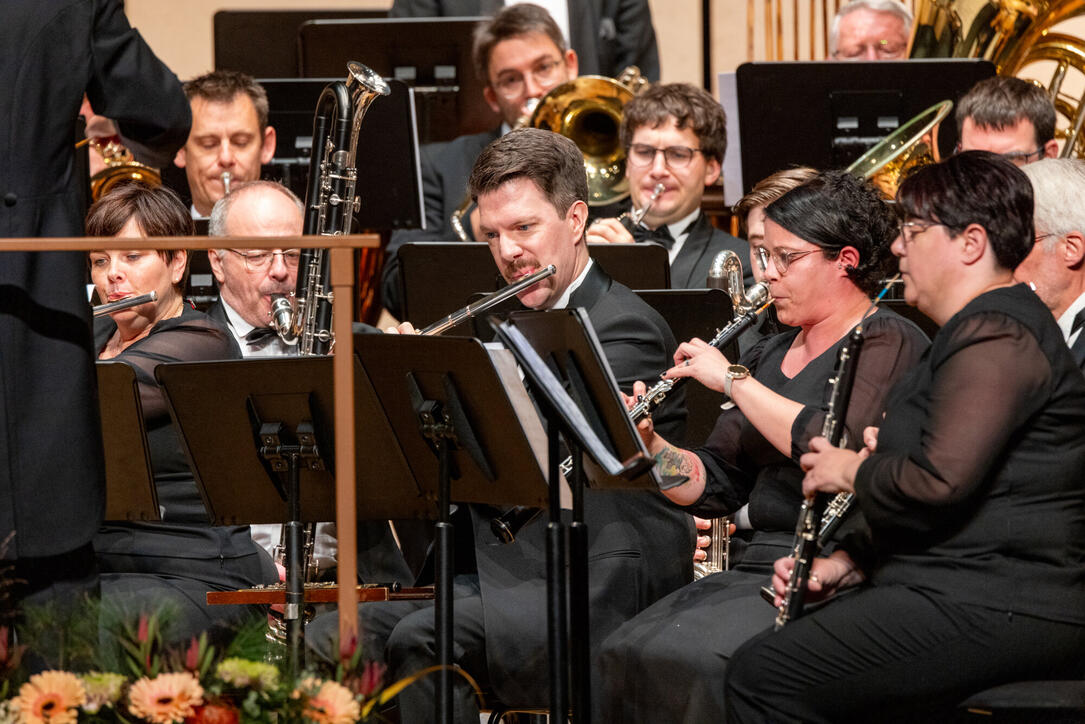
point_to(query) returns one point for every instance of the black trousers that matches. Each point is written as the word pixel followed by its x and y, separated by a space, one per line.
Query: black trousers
pixel 893 653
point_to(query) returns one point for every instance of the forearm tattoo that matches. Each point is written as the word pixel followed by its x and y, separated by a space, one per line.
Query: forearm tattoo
pixel 675 461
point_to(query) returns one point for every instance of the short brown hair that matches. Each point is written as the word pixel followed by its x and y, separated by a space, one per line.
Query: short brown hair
pixel 550 160
pixel 689 106
pixel 509 22
pixel 222 86
pixel 1002 101
pixel 158 211
pixel 771 188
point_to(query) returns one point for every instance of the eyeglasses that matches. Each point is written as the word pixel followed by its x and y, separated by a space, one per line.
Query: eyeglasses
pixel 782 259
pixel 261 260
pixel 546 73
pixel 1018 158
pixel 882 50
pixel 908 229
pixel 641 154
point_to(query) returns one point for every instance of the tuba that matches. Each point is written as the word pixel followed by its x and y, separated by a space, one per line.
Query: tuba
pixel 330 204
pixel 587 110
pixel 1011 34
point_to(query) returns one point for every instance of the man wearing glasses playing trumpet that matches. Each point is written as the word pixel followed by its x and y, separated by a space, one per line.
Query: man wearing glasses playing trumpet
pixel 675 136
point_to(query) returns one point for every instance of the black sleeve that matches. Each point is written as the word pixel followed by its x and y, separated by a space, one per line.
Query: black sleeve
pixel 982 392
pixel 632 37
pixel 130 85
pixel 890 348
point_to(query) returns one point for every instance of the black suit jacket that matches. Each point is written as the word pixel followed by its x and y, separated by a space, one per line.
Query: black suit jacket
pixel 51 478
pixel 639 546
pixel 690 267
pixel 607 35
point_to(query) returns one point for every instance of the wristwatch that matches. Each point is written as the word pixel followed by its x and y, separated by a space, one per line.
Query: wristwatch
pixel 734 372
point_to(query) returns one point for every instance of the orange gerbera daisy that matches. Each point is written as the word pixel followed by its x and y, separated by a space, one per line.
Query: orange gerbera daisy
pixel 330 703
pixel 165 699
pixel 51 697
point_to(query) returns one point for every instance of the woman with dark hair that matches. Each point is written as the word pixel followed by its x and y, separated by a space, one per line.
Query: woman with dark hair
pixel 168 566
pixel 826 247
pixel 973 558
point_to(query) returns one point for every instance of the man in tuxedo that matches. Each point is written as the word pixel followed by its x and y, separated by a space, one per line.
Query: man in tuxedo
pixel 607 35
pixel 52 482
pixel 1010 117
pixel 230 134
pixel 531 191
pixel 1056 265
pixel 675 135
pixel 520 54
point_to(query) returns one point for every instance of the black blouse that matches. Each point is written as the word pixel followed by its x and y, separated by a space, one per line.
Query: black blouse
pixel 191 336
pixel 743 467
pixel 976 489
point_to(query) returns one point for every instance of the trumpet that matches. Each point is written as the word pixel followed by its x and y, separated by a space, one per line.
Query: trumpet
pixel 102 310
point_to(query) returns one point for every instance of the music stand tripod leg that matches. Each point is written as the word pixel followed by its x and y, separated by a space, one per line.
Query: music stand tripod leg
pixel 557 620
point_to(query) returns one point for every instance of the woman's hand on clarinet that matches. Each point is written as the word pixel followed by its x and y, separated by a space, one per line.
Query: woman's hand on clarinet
pixel 645 428
pixel 827 576
pixel 701 361
pixel 830 469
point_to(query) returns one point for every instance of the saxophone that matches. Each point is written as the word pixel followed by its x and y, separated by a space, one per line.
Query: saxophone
pixel 726 273
pixel 330 204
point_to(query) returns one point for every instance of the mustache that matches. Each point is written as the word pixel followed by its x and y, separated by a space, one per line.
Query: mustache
pixel 512 269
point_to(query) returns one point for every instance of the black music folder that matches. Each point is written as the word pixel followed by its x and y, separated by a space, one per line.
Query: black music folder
pixel 130 490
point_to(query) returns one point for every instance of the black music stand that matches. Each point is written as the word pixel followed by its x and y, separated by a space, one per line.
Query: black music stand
pixel 432 55
pixel 845 108
pixel 436 278
pixel 389 183
pixel 558 351
pixel 259 437
pixel 451 413
pixel 695 313
pixel 130 490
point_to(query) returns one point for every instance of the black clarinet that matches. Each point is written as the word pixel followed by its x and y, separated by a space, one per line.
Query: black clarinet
pixel 817 521
pixel 807 533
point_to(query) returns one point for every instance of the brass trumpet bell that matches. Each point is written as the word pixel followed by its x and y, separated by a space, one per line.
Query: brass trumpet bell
pixel 911 146
pixel 588 110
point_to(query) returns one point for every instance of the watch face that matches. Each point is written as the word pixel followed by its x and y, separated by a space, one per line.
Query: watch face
pixel 737 371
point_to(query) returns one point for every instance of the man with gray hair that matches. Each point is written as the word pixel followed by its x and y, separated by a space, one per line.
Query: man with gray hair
pixel 1055 268
pixel 870 30
pixel 1008 116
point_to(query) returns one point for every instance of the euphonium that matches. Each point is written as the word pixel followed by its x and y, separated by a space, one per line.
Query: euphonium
pixel 120 167
pixel 330 204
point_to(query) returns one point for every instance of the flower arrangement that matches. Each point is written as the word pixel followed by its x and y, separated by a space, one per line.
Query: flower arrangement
pixel 196 685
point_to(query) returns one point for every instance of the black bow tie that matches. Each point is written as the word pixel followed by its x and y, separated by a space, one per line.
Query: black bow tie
pixel 661 236
pixel 259 334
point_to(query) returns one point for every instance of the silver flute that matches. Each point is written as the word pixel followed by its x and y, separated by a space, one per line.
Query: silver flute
pixel 102 310
pixel 488 301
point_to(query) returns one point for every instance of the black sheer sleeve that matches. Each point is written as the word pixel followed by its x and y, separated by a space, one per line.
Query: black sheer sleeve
pixel 891 346
pixel 191 337
pixel 938 450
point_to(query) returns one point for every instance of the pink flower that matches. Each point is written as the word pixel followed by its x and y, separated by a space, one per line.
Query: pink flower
pixel 165 699
pixel 371 679
pixel 143 628
pixel 192 656
pixel 51 697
